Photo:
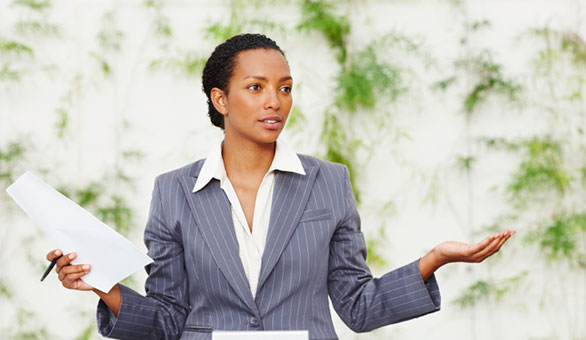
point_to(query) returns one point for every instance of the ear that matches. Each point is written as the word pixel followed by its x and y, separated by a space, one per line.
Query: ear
pixel 218 98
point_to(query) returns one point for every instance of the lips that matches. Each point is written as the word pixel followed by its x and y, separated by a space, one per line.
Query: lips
pixel 271 119
pixel 271 122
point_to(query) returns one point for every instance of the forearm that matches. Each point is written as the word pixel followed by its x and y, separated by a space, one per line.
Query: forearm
pixel 429 263
pixel 111 299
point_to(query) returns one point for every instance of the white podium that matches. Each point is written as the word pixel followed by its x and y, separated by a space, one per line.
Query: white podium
pixel 261 335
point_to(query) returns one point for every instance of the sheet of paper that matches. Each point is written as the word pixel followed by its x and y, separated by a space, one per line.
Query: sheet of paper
pixel 73 228
pixel 261 335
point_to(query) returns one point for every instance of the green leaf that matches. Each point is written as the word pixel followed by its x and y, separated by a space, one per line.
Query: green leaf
pixel 318 15
pixel 367 79
pixel 87 333
pixel 9 74
pixel 5 291
pixel 561 238
pixel 14 47
pixel 485 290
pixel 465 163
pixel 296 118
pixel 38 28
pixel 36 5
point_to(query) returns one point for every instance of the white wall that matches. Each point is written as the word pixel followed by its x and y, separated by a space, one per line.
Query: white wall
pixel 166 112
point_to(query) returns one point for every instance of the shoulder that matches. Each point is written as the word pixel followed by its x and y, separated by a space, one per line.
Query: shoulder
pixel 189 170
pixel 326 168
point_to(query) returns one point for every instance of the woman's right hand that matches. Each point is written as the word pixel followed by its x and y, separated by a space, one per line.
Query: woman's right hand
pixel 70 274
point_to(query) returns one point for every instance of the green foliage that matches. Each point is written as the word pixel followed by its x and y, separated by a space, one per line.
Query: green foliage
pixel 5 291
pixel 485 290
pixel 110 40
pixel 478 25
pixel 14 47
pixel 36 5
pixel 117 213
pixel 27 327
pixel 367 79
pixel 376 244
pixel 219 32
pixel 62 122
pixel 37 23
pixel 87 333
pixel 563 237
pixel 112 209
pixel 296 118
pixel 133 155
pixel 10 157
pixel 240 21
pixel 188 63
pixel 445 83
pixel 465 163
pixel 38 27
pixel 66 104
pixel 161 23
pixel 317 15
pixel 541 169
pixel 573 44
pixel 489 81
pixel 559 44
pixel 485 74
pixel 340 147
pixel 7 73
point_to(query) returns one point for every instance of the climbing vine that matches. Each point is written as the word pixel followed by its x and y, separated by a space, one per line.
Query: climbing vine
pixel 543 192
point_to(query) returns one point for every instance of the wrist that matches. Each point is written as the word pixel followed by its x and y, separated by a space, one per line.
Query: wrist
pixel 437 258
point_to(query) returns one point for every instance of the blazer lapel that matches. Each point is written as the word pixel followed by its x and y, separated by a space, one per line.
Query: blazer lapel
pixel 211 210
pixel 289 200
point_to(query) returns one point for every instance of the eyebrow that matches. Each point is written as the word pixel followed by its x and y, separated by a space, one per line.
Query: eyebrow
pixel 266 79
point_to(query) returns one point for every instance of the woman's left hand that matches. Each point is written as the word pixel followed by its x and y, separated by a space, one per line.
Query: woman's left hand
pixel 453 251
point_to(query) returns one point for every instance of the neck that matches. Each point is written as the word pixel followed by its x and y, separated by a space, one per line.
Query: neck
pixel 247 158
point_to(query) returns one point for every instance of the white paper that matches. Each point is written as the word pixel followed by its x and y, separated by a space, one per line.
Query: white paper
pixel 111 256
pixel 261 335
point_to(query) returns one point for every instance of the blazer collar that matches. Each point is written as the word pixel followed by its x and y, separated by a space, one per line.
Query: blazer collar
pixel 285 159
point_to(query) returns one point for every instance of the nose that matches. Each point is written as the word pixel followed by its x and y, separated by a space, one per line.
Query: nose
pixel 272 101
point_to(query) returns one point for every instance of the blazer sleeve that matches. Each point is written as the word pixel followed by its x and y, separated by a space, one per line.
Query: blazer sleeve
pixel 365 303
pixel 162 312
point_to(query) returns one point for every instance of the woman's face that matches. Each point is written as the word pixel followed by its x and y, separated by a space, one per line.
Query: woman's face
pixel 259 98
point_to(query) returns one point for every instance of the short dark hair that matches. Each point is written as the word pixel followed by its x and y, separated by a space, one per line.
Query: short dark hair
pixel 220 66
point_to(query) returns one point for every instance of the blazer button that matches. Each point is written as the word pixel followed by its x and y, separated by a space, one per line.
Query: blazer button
pixel 254 322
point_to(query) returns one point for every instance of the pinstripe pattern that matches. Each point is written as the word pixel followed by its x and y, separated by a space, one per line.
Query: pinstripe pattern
pixel 314 249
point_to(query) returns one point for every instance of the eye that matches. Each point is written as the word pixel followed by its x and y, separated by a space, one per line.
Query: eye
pixel 254 87
pixel 286 89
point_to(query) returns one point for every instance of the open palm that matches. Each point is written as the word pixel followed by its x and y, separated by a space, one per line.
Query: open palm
pixel 454 251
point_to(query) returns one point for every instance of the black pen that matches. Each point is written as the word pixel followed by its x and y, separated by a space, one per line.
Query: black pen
pixel 51 266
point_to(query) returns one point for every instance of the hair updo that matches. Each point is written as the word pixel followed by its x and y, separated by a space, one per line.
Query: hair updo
pixel 220 66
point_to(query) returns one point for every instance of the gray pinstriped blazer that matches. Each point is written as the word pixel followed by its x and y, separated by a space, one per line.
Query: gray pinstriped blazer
pixel 314 248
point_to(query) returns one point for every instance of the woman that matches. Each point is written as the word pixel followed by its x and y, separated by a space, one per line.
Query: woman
pixel 255 237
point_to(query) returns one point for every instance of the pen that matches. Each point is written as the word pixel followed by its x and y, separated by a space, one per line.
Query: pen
pixel 51 266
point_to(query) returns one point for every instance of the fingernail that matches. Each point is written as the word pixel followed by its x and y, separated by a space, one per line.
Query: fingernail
pixel 72 256
pixel 86 267
pixel 57 252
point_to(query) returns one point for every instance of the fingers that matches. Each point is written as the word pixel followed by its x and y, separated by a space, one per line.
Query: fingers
pixel 65 260
pixel 490 248
pixel 70 275
pixel 73 270
pixel 53 254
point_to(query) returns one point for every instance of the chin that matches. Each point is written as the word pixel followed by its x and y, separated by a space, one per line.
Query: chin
pixel 268 138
